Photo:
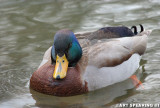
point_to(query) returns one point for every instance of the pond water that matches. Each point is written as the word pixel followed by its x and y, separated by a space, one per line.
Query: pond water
pixel 27 28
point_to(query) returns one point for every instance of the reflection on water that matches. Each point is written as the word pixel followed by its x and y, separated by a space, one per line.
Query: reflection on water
pixel 26 31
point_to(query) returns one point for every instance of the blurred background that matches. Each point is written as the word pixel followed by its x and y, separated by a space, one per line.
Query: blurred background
pixel 27 28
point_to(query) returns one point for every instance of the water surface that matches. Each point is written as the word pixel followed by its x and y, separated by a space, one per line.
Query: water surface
pixel 27 28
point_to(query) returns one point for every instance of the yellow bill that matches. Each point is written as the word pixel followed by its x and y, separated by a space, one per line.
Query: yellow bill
pixel 61 67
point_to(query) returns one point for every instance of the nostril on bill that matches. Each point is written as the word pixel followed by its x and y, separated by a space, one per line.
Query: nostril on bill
pixel 58 77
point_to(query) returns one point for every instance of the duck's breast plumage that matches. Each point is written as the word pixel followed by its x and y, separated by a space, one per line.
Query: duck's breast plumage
pixel 42 81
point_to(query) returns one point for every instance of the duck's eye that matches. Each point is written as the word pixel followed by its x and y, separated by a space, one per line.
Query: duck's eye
pixel 63 61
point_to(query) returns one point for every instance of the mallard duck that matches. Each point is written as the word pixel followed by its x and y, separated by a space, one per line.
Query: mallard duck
pixel 82 62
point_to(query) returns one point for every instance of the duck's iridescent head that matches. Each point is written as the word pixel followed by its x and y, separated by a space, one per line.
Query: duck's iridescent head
pixel 65 52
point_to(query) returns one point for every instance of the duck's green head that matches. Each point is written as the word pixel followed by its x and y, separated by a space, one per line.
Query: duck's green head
pixel 65 52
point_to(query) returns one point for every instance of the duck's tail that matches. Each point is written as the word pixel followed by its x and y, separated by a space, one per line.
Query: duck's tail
pixel 134 28
pixel 142 30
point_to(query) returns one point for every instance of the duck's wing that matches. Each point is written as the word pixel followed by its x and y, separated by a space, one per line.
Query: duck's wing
pixel 116 51
pixel 46 57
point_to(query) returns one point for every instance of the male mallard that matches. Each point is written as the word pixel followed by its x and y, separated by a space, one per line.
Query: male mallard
pixel 70 67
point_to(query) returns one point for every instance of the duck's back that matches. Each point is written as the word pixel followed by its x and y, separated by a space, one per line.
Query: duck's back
pixel 107 33
pixel 111 32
